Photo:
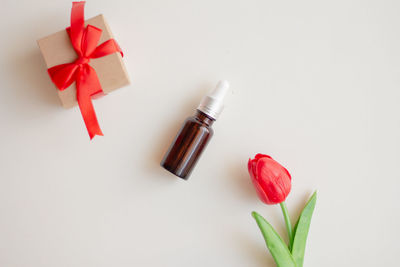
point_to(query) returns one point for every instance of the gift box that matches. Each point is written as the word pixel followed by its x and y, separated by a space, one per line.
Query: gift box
pixel 84 62
pixel 57 49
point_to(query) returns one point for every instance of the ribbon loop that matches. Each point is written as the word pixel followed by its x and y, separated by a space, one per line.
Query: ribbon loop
pixel 92 37
pixel 84 40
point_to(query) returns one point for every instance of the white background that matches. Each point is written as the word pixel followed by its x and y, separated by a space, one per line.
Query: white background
pixel 315 84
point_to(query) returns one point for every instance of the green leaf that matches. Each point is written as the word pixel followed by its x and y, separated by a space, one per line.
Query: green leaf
pixel 275 244
pixel 294 231
pixel 301 231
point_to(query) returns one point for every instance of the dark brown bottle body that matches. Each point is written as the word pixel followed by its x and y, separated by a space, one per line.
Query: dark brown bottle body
pixel 188 145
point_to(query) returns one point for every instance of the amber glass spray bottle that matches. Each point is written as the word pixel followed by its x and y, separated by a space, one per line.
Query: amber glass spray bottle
pixel 195 133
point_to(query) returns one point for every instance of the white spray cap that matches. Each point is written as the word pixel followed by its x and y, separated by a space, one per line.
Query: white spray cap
pixel 213 103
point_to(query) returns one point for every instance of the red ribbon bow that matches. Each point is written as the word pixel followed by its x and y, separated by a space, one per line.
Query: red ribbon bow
pixel 84 40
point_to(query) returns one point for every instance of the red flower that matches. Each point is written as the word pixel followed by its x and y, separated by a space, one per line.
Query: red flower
pixel 271 180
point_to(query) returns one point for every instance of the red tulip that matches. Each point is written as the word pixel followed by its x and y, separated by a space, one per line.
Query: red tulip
pixel 271 180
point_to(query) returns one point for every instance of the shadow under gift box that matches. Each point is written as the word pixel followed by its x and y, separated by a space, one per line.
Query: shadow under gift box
pixel 57 49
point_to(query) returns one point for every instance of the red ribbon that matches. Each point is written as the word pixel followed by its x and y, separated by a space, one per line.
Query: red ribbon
pixel 84 40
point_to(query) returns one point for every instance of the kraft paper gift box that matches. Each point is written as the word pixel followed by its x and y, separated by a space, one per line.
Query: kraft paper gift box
pixel 57 49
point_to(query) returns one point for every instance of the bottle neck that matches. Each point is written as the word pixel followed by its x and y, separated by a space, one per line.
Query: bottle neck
pixel 203 118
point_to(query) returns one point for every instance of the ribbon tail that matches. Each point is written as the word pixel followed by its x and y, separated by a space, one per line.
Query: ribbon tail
pixel 87 85
pixel 77 25
pixel 89 117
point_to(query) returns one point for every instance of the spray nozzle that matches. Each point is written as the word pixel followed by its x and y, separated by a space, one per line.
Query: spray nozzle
pixel 212 104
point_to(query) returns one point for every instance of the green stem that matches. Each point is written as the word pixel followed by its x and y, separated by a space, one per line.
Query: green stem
pixel 288 223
